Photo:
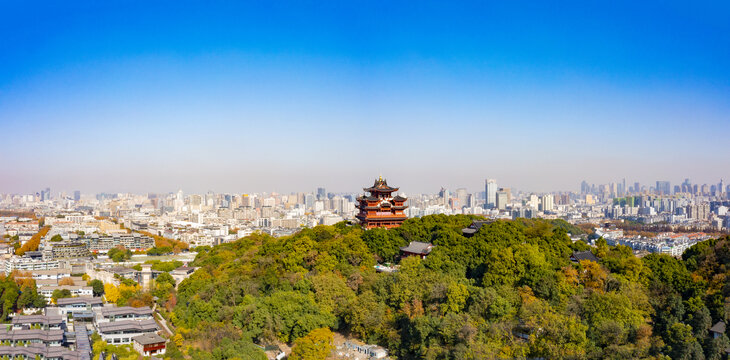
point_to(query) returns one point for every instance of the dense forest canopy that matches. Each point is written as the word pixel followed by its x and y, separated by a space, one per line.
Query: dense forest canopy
pixel 509 291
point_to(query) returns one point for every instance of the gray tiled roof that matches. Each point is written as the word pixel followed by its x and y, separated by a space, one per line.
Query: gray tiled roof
pixel 44 351
pixel 129 325
pixel 584 255
pixel 37 319
pixel 719 327
pixel 125 310
pixel 417 247
pixel 32 334
pixel 79 300
pixel 147 339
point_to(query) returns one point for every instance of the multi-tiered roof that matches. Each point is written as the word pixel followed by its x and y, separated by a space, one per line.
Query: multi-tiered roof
pixel 380 208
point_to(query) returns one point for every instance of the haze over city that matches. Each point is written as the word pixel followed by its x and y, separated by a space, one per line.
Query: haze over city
pixel 364 180
pixel 287 97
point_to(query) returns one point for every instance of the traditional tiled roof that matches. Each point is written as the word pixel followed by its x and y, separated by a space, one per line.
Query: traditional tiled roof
pixel 584 255
pixel 417 247
pixel 380 185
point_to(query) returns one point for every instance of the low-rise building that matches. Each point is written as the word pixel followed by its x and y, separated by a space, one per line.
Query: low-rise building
pixel 122 331
pixel 45 352
pixel 182 273
pixel 47 291
pixel 134 242
pixel 116 313
pixel 149 344
pixel 28 264
pixel 78 304
pixel 45 322
pixel 23 337
pixel 66 250
pixel 53 274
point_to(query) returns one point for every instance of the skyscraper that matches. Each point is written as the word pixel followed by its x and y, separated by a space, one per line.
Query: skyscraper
pixel 77 195
pixel 444 195
pixel 321 193
pixel 461 195
pixel 584 187
pixel 663 188
pixel 490 192
pixel 501 199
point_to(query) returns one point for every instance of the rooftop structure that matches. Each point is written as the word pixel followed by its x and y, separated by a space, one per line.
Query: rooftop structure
pixel 33 336
pixel 578 256
pixel 474 227
pixel 45 321
pixel 112 313
pixel 417 248
pixel 43 351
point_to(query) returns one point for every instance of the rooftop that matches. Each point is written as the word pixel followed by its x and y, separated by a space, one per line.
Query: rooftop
pixel 125 310
pixel 149 339
pixel 79 300
pixel 417 247
pixel 719 327
pixel 380 185
pixel 37 319
pixel 133 325
pixel 584 255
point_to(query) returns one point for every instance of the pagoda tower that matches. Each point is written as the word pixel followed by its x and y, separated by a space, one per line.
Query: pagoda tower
pixel 381 208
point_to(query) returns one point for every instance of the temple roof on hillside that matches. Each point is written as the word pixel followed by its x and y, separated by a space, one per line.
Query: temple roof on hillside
pixel 417 247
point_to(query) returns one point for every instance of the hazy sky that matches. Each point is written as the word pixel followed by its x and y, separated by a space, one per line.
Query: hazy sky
pixel 286 96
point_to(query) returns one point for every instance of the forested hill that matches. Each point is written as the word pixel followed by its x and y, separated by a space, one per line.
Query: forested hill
pixel 510 291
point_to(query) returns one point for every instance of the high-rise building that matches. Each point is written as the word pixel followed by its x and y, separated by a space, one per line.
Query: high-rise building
pixel 77 195
pixel 490 190
pixel 46 194
pixel 321 193
pixel 547 202
pixel 686 186
pixel 584 187
pixel 502 198
pixel 663 188
pixel 461 195
pixel 444 196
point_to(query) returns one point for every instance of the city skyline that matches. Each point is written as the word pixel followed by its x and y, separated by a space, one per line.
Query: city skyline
pixel 626 187
pixel 283 97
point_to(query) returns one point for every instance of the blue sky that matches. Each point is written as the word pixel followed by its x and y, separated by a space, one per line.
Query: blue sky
pixel 286 96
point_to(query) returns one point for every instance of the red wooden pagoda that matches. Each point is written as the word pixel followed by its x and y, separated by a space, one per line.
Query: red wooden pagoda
pixel 381 208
